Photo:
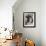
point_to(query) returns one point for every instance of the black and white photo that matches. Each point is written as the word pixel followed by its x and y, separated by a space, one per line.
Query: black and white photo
pixel 29 19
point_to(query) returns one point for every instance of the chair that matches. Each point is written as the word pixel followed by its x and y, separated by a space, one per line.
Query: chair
pixel 18 39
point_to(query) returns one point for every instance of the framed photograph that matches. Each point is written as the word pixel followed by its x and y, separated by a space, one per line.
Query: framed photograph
pixel 29 19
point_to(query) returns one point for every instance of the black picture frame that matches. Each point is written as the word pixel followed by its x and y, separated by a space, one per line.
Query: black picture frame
pixel 29 19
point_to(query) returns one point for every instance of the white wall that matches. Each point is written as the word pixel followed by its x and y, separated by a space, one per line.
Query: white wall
pixel 30 33
pixel 43 22
pixel 6 13
pixel 37 34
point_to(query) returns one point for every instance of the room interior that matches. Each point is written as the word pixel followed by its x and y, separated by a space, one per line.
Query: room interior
pixel 14 31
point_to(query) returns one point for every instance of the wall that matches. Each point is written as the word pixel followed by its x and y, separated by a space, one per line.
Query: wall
pixel 6 13
pixel 43 22
pixel 29 33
